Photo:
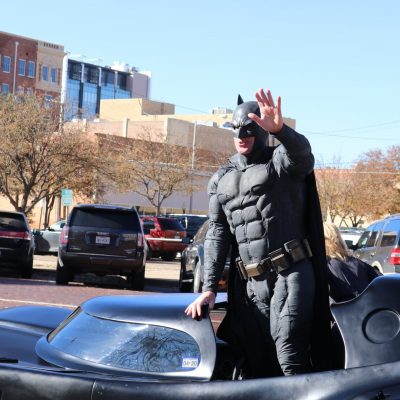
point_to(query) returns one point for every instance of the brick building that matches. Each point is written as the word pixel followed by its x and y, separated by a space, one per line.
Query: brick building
pixel 30 65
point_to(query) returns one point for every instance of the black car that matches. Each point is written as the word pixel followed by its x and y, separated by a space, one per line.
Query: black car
pixel 17 245
pixel 191 276
pixel 379 245
pixel 145 347
pixel 105 240
pixel 191 222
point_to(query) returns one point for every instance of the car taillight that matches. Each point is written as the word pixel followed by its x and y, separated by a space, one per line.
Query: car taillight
pixel 64 235
pixel 15 235
pixel 140 240
pixel 395 256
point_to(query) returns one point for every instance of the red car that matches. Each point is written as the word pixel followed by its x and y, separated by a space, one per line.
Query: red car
pixel 163 236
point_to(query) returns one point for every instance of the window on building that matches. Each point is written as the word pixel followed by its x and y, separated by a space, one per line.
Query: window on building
pixel 5 88
pixel 29 91
pixel 21 67
pixel 7 64
pixel 31 69
pixel 53 75
pixel 45 73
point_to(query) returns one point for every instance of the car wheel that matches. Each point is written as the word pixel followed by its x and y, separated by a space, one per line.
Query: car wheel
pixel 136 280
pixel 197 282
pixel 170 256
pixel 185 287
pixel 27 269
pixel 149 252
pixel 63 275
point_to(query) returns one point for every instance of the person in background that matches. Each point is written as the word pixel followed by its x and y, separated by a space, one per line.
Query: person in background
pixel 347 275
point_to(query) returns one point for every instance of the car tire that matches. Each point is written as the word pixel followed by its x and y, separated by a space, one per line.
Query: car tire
pixel 149 252
pixel 136 280
pixel 27 269
pixel 168 256
pixel 184 287
pixel 63 275
pixel 197 282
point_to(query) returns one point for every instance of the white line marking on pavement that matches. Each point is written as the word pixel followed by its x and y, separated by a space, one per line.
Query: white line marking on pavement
pixel 41 303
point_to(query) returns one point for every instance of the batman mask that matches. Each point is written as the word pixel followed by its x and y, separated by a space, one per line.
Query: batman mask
pixel 243 126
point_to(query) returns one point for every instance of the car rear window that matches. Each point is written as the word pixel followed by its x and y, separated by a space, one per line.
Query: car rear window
pixel 170 224
pixel 14 222
pixel 390 233
pixel 112 219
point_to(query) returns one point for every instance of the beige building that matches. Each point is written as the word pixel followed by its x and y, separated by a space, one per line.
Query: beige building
pixel 201 133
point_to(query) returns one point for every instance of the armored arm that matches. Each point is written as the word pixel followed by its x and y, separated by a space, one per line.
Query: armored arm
pixel 294 154
pixel 218 239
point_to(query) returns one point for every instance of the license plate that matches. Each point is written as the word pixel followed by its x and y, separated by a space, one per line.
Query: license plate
pixel 102 240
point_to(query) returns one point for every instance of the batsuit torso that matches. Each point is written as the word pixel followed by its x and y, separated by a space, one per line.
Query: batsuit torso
pixel 257 201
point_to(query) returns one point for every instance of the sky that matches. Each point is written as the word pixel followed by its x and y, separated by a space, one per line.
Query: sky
pixel 335 63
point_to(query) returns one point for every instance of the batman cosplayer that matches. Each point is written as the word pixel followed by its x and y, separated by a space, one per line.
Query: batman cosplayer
pixel 263 205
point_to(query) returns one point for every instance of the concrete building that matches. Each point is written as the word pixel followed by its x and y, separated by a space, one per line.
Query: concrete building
pixel 204 134
pixel 29 65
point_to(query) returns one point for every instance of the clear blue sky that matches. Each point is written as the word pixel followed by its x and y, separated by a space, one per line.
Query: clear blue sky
pixel 335 63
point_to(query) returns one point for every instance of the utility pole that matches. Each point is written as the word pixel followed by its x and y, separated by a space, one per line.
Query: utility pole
pixel 193 161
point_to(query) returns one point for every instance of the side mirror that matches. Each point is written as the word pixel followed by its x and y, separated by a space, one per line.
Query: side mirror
pixel 36 231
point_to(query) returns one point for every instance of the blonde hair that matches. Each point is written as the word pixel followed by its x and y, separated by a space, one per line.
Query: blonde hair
pixel 334 244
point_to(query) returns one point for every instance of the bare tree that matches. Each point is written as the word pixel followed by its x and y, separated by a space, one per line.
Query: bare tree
pixel 36 159
pixel 151 167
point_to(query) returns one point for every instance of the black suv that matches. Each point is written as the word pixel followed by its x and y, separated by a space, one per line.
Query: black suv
pixel 16 242
pixel 105 240
pixel 379 245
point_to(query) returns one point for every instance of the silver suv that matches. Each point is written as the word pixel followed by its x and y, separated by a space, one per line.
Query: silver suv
pixel 379 245
pixel 105 240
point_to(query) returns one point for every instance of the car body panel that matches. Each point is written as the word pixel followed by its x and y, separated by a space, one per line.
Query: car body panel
pixel 374 371
pixel 163 235
pixel 377 242
pixel 48 240
pixel 193 257
pixel 17 244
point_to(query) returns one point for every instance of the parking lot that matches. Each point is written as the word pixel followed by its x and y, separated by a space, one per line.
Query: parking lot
pixel 160 276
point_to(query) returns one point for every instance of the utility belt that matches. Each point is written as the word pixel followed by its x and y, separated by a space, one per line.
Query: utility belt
pixel 277 261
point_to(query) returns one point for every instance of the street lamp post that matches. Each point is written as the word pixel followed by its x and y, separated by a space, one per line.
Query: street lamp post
pixel 192 166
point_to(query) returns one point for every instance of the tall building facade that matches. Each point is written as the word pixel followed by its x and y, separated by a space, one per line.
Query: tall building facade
pixel 35 66
pixel 87 84
pixel 30 66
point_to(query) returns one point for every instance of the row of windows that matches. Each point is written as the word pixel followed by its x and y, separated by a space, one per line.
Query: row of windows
pixel 48 74
pixel 23 66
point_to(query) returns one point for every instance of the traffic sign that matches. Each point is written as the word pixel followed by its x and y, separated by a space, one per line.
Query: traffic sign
pixel 66 197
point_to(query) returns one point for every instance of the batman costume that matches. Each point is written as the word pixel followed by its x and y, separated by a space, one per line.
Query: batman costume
pixel 264 205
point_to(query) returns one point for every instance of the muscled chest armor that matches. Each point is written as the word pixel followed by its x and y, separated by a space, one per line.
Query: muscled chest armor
pixel 264 209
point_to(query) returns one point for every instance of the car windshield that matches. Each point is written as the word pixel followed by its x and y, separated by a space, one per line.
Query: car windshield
pixel 112 219
pixel 170 224
pixel 132 346
pixel 13 222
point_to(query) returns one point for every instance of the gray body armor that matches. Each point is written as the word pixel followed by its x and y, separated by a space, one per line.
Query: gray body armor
pixel 259 202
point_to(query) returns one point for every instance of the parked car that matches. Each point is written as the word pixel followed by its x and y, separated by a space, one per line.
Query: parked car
pixel 48 240
pixel 379 245
pixel 16 243
pixel 191 222
pixel 105 240
pixel 191 276
pixel 351 235
pixel 145 347
pixel 163 236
